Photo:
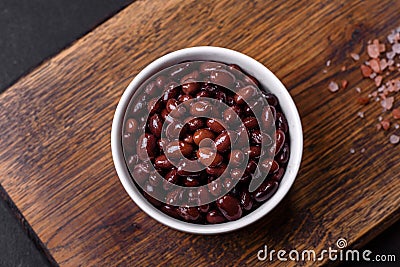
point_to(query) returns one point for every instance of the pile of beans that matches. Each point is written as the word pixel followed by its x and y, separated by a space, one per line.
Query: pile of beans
pixel 179 85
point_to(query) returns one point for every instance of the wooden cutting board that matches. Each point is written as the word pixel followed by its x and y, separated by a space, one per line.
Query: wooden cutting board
pixel 55 156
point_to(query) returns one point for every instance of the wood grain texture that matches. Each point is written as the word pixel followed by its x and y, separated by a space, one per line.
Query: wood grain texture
pixel 55 158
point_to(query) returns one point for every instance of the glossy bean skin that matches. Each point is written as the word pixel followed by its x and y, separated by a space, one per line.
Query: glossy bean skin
pixel 223 142
pixel 246 200
pixel 280 140
pixel 272 99
pixel 222 77
pixel 155 125
pixel 237 157
pixel 151 88
pixel 208 157
pixel 215 188
pixel 211 66
pixel 268 117
pixel 174 196
pixel 161 81
pixel 190 87
pixel 250 122
pixel 129 143
pixel 177 86
pixel 162 162
pixel 265 191
pixel 254 151
pixel 215 217
pixel 189 213
pixel 201 109
pixel 245 94
pixel 216 171
pixel 184 98
pixel 171 211
pixel 278 175
pixel 215 126
pixel 174 149
pixel 269 165
pixel 281 122
pixel 131 126
pixel 190 181
pixel 146 146
pixel 195 124
pixel 283 156
pixel 141 172
pixel 202 134
pixel 229 206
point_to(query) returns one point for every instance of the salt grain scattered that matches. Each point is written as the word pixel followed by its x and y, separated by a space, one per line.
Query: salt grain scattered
pixel 358 90
pixel 324 71
pixel 396 48
pixel 355 56
pixel 360 114
pixel 344 84
pixel 396 113
pixel 328 63
pixel 378 80
pixel 362 150
pixel 333 86
pixel 352 150
pixel 394 139
pixel 390 55
pixel 373 51
pixel 380 118
pixel 383 64
pixel 385 124
pixel 387 103
pixel 365 70
pixel 397 126
pixel 375 65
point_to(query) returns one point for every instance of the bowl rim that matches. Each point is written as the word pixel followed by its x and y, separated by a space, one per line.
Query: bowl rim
pixel 268 80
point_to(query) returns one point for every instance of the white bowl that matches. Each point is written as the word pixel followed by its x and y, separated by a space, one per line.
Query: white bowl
pixel 266 78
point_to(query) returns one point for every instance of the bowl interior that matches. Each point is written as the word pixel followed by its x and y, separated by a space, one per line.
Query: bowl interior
pixel 267 79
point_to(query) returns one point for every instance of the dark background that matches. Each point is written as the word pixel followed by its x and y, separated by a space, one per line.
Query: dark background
pixel 32 31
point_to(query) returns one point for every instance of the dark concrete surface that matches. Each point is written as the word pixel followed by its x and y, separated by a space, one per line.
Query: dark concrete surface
pixel 30 32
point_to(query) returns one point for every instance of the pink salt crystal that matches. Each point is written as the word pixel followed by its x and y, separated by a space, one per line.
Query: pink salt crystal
pixel 375 65
pixel 362 150
pixel 378 80
pixel 383 64
pixel 333 87
pixel 372 76
pixel 324 71
pixel 378 126
pixel 385 124
pixel 387 103
pixel 396 48
pixel 381 47
pixel 394 139
pixel 390 55
pixel 391 37
pixel 373 51
pixel 355 56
